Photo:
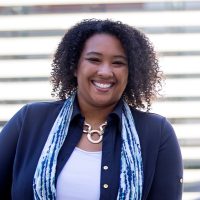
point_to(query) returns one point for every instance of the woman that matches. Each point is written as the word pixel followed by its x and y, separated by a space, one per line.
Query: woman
pixel 94 143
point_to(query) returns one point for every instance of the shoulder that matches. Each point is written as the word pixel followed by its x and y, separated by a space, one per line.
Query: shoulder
pixel 43 107
pixel 153 126
pixel 37 111
pixel 147 117
pixel 45 104
pixel 32 115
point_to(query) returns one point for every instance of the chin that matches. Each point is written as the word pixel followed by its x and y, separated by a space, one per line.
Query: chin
pixel 104 102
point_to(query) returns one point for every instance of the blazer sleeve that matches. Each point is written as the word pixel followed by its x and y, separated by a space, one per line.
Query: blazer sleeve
pixel 8 144
pixel 168 177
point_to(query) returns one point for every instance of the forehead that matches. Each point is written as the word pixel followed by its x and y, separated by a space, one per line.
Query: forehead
pixel 103 43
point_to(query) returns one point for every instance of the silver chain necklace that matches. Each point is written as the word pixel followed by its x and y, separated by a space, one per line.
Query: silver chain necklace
pixel 87 129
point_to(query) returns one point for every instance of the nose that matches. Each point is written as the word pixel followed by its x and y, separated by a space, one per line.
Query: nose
pixel 105 70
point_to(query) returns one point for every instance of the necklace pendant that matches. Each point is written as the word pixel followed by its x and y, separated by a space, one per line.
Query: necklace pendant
pixel 89 136
pixel 88 130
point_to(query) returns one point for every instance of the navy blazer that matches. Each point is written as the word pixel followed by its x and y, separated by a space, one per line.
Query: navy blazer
pixel 23 137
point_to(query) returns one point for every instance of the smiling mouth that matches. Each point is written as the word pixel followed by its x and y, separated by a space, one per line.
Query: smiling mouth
pixel 102 85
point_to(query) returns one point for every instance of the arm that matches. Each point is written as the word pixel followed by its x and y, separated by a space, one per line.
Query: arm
pixel 8 143
pixel 167 182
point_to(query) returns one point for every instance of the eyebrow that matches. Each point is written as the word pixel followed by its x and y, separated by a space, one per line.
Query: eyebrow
pixel 92 53
pixel 99 54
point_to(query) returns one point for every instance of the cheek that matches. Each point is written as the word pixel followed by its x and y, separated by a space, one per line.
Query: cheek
pixel 85 69
pixel 124 76
pixel 79 73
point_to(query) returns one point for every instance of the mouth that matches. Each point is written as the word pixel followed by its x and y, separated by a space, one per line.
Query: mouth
pixel 101 85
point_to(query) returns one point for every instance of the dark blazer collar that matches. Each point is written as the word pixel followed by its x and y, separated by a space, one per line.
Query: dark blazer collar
pixel 116 114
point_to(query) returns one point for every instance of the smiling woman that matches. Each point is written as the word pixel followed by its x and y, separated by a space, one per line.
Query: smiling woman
pixel 94 143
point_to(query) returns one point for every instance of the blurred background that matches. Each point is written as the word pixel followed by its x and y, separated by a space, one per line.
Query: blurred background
pixel 30 31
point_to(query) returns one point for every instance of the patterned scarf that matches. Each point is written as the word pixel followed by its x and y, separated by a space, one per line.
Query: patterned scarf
pixel 131 172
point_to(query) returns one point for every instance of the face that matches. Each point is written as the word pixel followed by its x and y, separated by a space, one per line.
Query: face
pixel 102 71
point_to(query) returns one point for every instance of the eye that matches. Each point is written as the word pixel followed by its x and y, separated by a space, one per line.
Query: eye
pixel 93 60
pixel 119 63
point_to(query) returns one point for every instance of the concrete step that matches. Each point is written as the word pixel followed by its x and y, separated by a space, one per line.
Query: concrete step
pixel 190 141
pixel 64 2
pixel 180 65
pixel 191 180
pixel 191 196
pixel 191 160
pixel 94 6
pixel 181 87
pixel 48 44
pixel 29 90
pixel 171 110
pixel 191 157
pixel 188 134
pixel 176 89
pixel 173 66
pixel 177 109
pixel 60 32
pixel 56 21
pixel 25 68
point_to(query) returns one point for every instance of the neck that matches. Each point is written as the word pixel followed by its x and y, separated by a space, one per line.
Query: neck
pixel 95 115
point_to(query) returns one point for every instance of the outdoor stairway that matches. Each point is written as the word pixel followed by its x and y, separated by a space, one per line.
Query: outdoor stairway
pixel 30 32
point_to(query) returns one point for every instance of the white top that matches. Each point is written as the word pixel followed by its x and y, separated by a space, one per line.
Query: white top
pixel 80 177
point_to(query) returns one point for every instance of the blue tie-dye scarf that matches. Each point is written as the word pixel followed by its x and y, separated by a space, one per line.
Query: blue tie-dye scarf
pixel 131 171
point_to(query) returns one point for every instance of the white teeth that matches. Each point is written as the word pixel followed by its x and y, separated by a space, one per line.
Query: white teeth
pixel 102 85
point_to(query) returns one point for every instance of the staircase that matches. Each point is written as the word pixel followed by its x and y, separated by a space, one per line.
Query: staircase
pixel 30 32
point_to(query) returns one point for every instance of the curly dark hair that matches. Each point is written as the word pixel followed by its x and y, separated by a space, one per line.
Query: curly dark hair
pixel 144 80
